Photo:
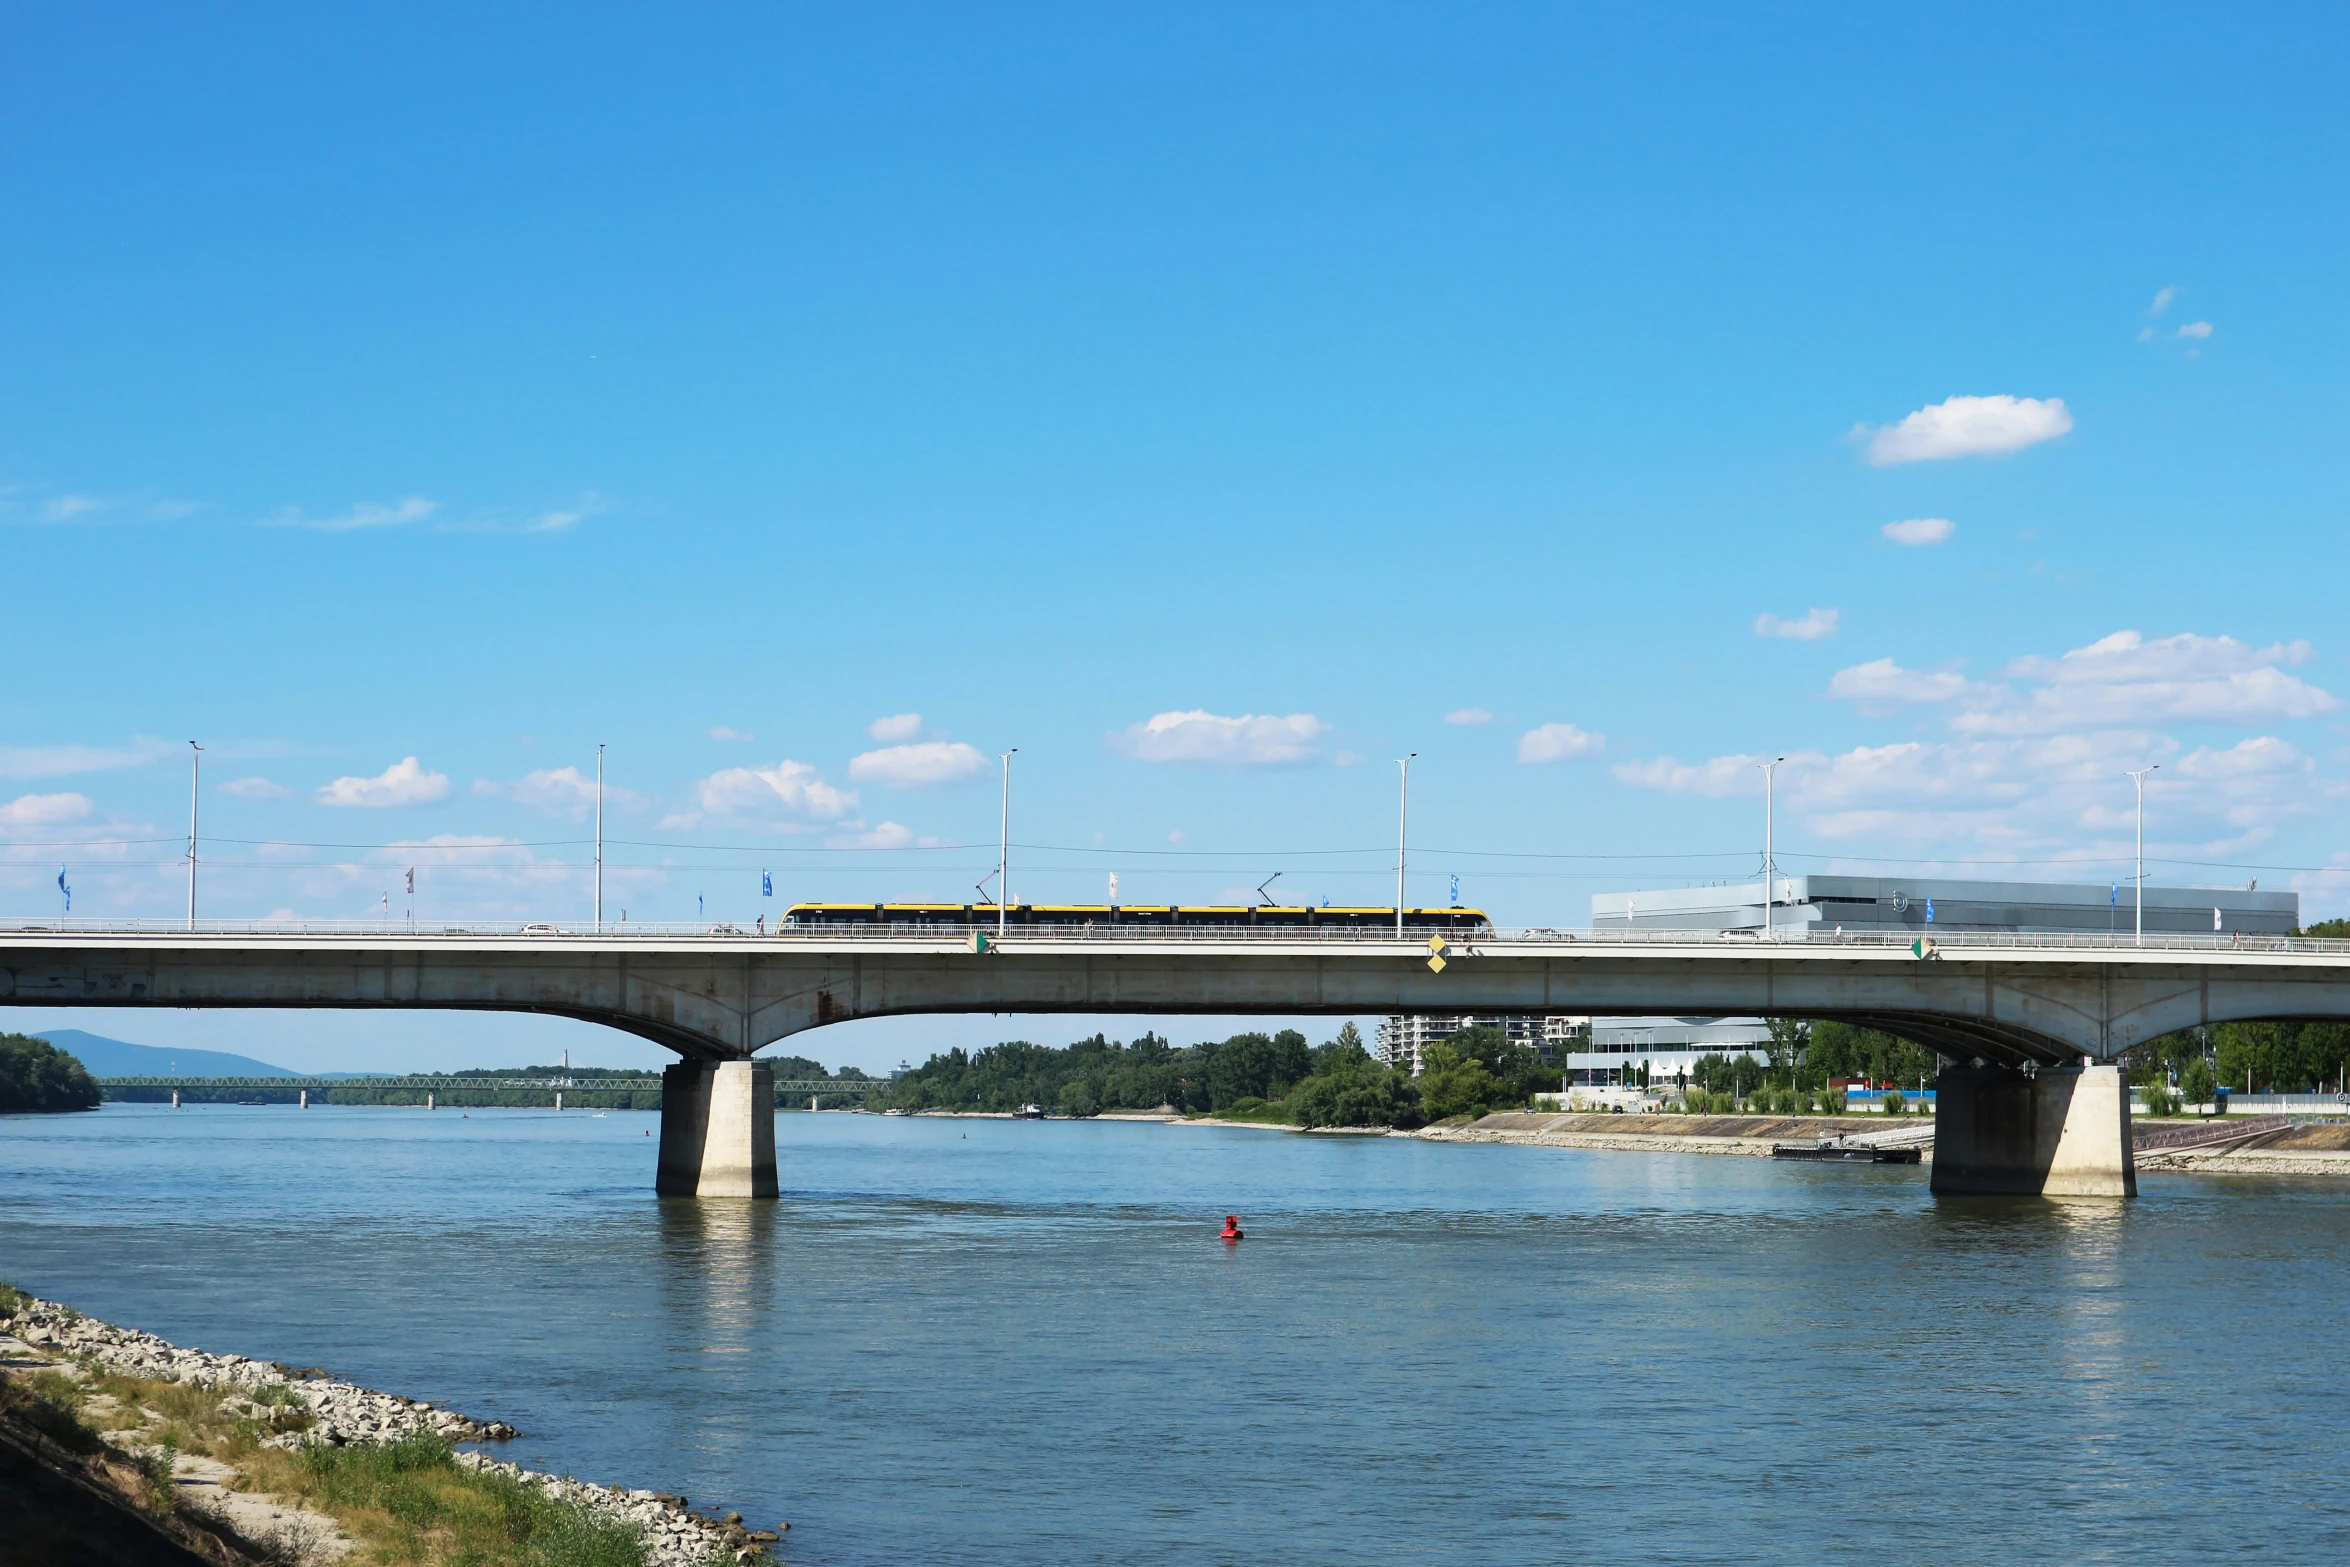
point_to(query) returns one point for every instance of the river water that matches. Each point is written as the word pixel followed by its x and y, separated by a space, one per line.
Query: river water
pixel 1011 1343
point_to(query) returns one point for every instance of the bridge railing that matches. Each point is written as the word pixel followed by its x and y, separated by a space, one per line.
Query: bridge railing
pixel 482 1085
pixel 1791 935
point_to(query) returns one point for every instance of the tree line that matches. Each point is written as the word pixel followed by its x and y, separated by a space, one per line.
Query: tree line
pixel 1279 1078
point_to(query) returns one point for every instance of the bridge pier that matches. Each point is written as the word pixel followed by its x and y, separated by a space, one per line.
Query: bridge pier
pixel 2062 1132
pixel 717 1130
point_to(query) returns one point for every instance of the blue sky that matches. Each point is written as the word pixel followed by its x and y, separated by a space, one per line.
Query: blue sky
pixel 474 388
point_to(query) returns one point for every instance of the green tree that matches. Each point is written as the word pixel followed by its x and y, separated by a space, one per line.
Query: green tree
pixel 1455 1082
pixel 36 1075
pixel 2197 1082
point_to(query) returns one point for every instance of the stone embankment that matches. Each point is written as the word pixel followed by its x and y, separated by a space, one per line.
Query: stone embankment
pixel 343 1413
pixel 1716 1134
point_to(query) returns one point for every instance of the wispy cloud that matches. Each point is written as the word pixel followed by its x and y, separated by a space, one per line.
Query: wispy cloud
pixel 921 765
pixel 1811 628
pixel 896 727
pixel 1468 716
pixel 255 788
pixel 64 508
pixel 730 734
pixel 57 761
pixel 2195 329
pixel 889 835
pixel 1209 740
pixel 1559 743
pixel 558 792
pixel 366 514
pixel 2162 300
pixel 1919 531
pixel 405 782
pixel 1967 427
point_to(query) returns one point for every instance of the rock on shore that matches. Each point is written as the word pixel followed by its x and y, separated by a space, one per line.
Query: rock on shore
pixel 344 1413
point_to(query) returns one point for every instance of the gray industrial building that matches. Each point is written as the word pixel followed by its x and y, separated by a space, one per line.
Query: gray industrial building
pixel 1922 905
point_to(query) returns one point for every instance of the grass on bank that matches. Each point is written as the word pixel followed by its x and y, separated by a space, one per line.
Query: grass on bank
pixel 406 1502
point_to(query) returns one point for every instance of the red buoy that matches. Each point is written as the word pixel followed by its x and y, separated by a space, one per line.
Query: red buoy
pixel 1232 1229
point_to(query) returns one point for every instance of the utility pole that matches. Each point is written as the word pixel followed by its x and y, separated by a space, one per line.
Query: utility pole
pixel 1003 858
pixel 599 839
pixel 195 781
pixel 1403 818
pixel 2139 778
pixel 1770 862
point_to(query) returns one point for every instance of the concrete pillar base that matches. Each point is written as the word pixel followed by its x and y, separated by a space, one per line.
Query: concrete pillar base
pixel 2064 1132
pixel 717 1130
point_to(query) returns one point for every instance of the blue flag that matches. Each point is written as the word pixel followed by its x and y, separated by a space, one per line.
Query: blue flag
pixel 62 887
pixel 2115 896
pixel 766 885
pixel 1929 911
pixel 1456 889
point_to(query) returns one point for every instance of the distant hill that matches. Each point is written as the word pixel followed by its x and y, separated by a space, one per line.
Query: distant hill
pixel 116 1058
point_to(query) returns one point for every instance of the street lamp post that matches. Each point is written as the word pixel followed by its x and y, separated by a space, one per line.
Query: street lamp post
pixel 195 778
pixel 2139 778
pixel 1770 863
pixel 1403 817
pixel 599 839
pixel 1003 859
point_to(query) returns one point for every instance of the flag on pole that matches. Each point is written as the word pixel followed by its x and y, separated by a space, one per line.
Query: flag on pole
pixel 1929 911
pixel 411 881
pixel 2215 925
pixel 2114 898
pixel 766 885
pixel 1456 890
pixel 62 887
pixel 1113 887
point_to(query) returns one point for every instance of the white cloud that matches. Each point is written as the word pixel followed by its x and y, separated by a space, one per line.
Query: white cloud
pixel 1468 716
pixel 787 795
pixel 1558 743
pixel 44 810
pixel 1819 623
pixel 255 789
pixel 405 782
pixel 2032 764
pixel 896 727
pixel 1882 685
pixel 2162 299
pixel 2195 329
pixel 730 734
pixel 56 761
pixel 1212 741
pixel 1968 427
pixel 917 766
pixel 889 835
pixel 2125 679
pixel 1916 531
pixel 366 514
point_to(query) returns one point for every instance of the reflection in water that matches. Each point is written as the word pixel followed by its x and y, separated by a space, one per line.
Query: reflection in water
pixel 717 1262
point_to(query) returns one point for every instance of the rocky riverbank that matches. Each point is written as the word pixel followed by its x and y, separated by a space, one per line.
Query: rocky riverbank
pixel 338 1413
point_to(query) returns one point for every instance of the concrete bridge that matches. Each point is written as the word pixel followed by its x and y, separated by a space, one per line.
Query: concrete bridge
pixel 2029 1022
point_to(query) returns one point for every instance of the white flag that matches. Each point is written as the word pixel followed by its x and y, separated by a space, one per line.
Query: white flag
pixel 2215 919
pixel 1113 886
